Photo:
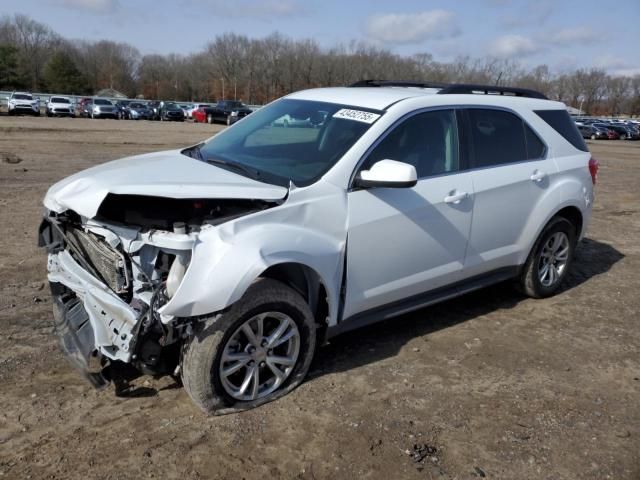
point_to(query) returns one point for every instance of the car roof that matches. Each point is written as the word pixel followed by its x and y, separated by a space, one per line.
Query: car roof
pixel 381 98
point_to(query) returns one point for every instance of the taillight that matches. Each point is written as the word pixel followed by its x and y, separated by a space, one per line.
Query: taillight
pixel 594 165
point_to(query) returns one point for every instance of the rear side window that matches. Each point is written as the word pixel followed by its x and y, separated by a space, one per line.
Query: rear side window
pixel 561 122
pixel 497 137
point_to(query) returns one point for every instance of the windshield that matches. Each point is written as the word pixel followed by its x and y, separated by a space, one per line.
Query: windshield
pixel 59 100
pixel 100 101
pixel 22 96
pixel 137 105
pixel 280 152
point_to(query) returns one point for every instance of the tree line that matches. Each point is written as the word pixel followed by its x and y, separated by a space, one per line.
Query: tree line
pixel 232 66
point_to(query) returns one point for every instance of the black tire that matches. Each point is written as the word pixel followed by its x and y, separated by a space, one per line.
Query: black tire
pixel 530 283
pixel 202 352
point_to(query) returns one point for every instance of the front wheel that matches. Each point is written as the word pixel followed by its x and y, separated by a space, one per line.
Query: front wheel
pixel 550 259
pixel 257 351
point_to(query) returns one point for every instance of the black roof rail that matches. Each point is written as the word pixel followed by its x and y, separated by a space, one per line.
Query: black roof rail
pixel 491 90
pixel 397 83
pixel 454 88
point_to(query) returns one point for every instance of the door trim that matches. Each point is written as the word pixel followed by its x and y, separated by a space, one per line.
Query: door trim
pixel 416 302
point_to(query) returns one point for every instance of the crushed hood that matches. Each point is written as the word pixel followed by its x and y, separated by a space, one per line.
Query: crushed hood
pixel 163 174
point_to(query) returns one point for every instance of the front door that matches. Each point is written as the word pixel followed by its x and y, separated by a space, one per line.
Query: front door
pixel 405 241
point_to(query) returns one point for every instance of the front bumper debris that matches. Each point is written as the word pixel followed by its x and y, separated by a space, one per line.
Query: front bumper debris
pixel 75 334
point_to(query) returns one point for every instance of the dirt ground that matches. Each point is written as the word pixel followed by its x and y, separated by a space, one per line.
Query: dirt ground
pixel 491 385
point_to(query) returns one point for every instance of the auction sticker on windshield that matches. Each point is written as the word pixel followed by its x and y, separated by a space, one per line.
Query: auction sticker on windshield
pixel 357 115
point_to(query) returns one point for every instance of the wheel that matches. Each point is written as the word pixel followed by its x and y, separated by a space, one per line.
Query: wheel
pixel 228 120
pixel 593 137
pixel 48 113
pixel 37 114
pixel 210 119
pixel 257 351
pixel 550 259
pixel 10 113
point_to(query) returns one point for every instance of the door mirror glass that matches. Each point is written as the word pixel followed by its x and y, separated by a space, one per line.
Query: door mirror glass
pixel 389 174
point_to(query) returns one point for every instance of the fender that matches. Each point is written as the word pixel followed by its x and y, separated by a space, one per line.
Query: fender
pixel 567 191
pixel 227 258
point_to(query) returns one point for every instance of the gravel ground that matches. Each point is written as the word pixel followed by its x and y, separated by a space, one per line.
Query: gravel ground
pixel 490 385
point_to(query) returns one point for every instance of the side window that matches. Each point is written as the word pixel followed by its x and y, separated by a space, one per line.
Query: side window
pixel 428 141
pixel 535 147
pixel 497 137
pixel 561 122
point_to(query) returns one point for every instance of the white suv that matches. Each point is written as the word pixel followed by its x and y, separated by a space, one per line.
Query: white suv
pixel 23 102
pixel 60 106
pixel 229 261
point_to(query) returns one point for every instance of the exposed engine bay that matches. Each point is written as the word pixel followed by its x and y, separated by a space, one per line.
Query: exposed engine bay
pixel 122 266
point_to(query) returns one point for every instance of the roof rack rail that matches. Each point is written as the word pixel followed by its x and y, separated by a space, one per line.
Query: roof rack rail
pixel 453 88
pixel 491 90
pixel 397 83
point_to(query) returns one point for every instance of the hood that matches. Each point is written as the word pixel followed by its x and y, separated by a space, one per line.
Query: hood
pixel 163 174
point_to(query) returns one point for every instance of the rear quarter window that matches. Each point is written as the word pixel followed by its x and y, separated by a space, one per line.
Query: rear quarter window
pixel 561 122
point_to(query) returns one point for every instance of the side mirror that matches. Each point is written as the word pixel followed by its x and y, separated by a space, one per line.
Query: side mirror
pixel 388 174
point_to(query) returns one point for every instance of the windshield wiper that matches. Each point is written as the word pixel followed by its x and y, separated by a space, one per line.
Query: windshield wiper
pixel 248 171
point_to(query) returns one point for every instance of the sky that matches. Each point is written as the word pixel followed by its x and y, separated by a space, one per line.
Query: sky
pixel 564 34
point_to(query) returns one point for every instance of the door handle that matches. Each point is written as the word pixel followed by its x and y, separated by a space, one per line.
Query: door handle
pixel 538 176
pixel 457 198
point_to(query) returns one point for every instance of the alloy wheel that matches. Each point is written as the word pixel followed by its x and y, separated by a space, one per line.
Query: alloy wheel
pixel 553 259
pixel 259 356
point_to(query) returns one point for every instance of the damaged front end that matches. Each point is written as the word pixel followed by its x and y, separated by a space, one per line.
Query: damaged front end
pixel 111 274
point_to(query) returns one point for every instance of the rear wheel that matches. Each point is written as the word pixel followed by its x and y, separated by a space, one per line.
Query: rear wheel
pixel 550 259
pixel 257 351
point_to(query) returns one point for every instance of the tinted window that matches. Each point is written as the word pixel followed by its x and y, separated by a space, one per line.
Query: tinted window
pixel 561 122
pixel 22 96
pixel 497 137
pixel 100 101
pixel 535 147
pixel 428 141
pixel 59 100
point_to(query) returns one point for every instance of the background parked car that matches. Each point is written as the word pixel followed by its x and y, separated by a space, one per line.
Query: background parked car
pixel 121 107
pixel 23 102
pixel 138 111
pixel 226 111
pixel 60 106
pixel 103 108
pixel 194 108
pixel 588 131
pixel 83 107
pixel 171 112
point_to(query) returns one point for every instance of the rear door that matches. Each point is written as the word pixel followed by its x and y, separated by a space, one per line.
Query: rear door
pixel 511 170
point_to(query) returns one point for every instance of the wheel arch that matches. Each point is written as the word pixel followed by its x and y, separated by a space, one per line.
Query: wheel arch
pixel 308 283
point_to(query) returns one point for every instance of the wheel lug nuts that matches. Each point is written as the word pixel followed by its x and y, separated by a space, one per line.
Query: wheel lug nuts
pixel 270 352
pixel 264 343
